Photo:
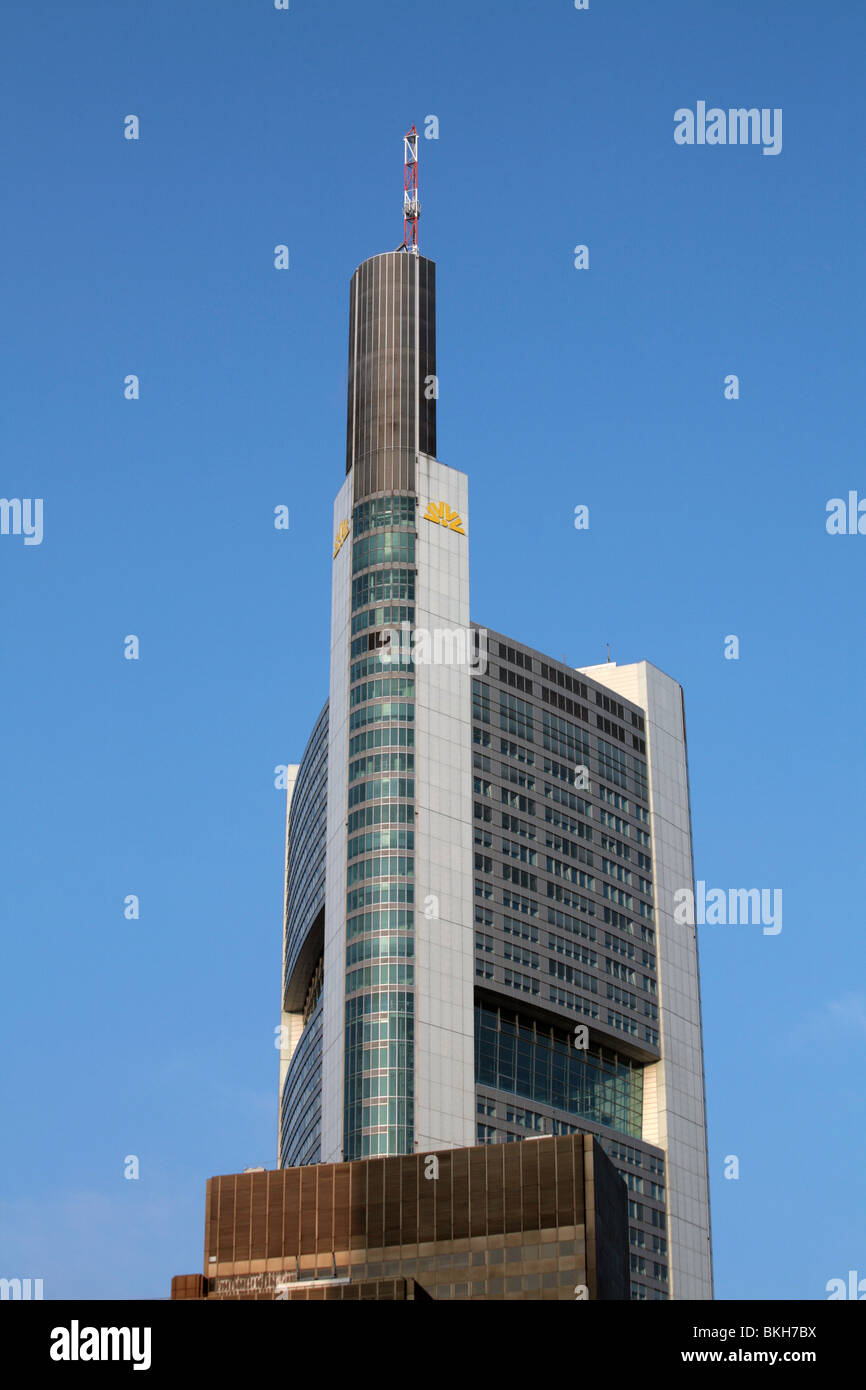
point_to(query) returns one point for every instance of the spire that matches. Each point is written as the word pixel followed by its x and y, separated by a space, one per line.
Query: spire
pixel 411 205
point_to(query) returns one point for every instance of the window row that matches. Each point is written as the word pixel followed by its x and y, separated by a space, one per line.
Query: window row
pixel 383 711
pixel 390 736
pixel 379 892
pixel 371 975
pixel 389 686
pixel 383 547
pixel 382 920
pixel 374 947
pixel 380 839
pixel 553 697
pixel 380 866
pixel 388 814
pixel 378 512
pixel 383 789
pixel 381 762
pixel 389 615
pixel 383 586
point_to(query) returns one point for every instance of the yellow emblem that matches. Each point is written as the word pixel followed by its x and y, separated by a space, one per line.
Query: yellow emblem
pixel 342 533
pixel 442 514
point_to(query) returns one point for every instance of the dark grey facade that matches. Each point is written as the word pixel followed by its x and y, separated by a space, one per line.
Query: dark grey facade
pixel 392 363
pixel 564 924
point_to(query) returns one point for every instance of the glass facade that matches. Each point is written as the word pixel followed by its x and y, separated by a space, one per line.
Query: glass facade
pixel 301 1106
pixel 305 880
pixel 300 1100
pixel 380 869
pixel 541 1063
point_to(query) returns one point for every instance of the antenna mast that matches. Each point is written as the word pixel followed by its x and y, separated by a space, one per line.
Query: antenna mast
pixel 411 205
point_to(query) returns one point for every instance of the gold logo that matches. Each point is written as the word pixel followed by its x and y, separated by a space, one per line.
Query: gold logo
pixel 342 533
pixel 442 514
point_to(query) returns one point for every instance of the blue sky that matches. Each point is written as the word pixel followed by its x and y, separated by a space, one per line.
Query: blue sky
pixel 557 387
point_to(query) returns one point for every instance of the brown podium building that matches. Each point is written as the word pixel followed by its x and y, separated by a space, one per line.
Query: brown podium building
pixel 545 1219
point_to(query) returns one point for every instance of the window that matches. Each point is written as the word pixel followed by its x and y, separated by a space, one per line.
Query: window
pixel 512 927
pixel 520 956
pixel 481 701
pixel 515 716
pixel 383 547
pixel 384 512
pixel 525 983
pixel 519 682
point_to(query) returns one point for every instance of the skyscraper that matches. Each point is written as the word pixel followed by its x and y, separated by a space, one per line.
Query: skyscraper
pixel 482 848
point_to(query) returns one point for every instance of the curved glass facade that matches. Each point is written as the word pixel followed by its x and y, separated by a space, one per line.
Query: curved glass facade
pixel 301 1105
pixel 380 867
pixel 301 1097
pixel 305 879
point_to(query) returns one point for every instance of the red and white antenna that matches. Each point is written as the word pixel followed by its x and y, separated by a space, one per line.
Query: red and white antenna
pixel 411 205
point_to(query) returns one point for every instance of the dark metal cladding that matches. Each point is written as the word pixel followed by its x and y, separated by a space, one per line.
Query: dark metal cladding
pixel 392 354
pixel 554 1207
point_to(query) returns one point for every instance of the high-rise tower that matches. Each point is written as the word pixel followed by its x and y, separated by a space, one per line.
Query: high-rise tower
pixel 479 940
pixel 397 1034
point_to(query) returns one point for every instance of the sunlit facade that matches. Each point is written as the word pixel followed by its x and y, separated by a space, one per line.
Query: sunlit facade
pixel 483 845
